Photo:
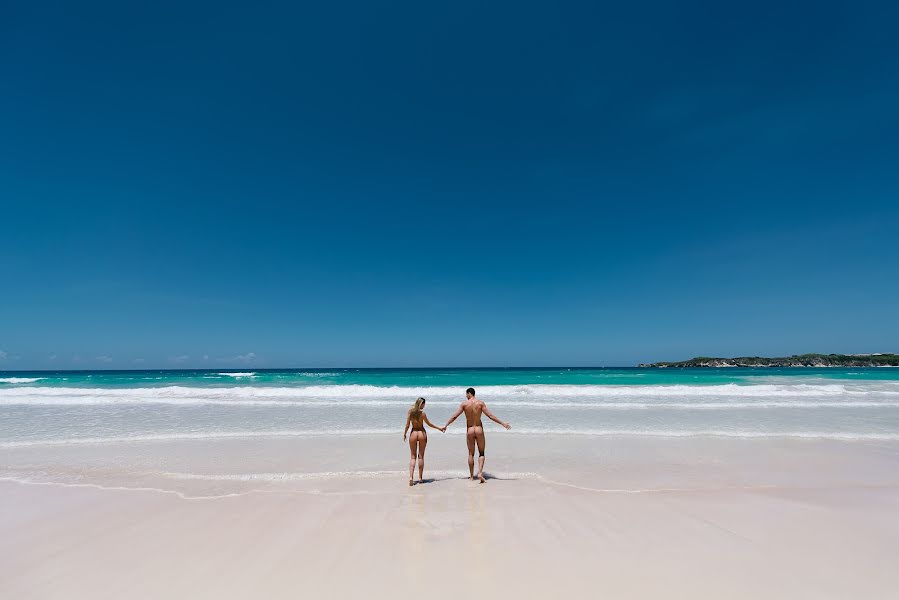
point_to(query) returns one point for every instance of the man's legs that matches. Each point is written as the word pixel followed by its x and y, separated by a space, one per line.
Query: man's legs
pixel 482 445
pixel 470 439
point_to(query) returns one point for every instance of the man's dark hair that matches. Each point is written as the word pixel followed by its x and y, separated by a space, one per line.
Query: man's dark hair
pixel 470 391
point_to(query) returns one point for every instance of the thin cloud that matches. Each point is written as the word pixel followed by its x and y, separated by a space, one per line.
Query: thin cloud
pixel 179 359
pixel 138 361
pixel 240 358
pixel 104 358
pixel 3 355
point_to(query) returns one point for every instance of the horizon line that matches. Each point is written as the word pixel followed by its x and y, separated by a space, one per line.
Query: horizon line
pixel 258 369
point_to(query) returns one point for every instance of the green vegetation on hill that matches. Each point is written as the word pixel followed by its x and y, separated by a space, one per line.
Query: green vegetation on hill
pixel 797 360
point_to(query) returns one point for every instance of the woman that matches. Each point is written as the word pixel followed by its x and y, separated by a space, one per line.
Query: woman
pixel 418 441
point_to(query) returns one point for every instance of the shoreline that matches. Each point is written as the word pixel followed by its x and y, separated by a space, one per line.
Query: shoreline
pixel 617 462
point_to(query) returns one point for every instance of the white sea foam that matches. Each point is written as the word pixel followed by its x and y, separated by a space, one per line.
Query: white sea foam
pixel 117 488
pixel 714 397
pixel 192 436
pixel 328 475
pixel 487 392
pixel 659 433
pixel 548 404
pixel 314 374
pixel 20 379
pixel 739 411
pixel 237 374
pixel 280 477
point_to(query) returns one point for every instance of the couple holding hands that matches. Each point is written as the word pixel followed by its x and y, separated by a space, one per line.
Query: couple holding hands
pixel 418 441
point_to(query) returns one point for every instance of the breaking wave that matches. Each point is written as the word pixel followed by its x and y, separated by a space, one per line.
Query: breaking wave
pixel 689 397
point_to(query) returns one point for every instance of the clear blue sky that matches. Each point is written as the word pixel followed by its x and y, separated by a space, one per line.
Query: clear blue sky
pixel 417 184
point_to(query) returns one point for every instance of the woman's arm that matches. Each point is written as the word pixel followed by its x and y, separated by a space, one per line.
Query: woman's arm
pixel 424 416
pixel 493 417
pixel 408 420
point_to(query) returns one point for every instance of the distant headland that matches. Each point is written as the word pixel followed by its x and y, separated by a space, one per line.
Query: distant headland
pixel 797 360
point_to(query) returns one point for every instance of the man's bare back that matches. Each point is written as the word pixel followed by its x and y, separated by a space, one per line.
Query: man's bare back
pixel 473 409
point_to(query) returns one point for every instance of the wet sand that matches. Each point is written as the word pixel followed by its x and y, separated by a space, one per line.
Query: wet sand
pixel 619 518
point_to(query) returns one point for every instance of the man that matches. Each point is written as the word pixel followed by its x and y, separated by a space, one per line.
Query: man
pixel 473 408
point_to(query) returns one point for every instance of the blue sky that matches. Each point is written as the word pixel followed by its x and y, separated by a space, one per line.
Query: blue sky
pixel 408 184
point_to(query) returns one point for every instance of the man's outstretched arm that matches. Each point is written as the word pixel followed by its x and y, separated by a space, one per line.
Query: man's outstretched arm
pixel 454 417
pixel 494 418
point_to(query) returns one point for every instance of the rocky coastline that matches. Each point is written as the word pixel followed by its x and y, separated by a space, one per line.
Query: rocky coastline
pixel 797 360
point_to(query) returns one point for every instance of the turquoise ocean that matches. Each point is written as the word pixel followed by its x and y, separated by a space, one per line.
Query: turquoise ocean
pixel 101 407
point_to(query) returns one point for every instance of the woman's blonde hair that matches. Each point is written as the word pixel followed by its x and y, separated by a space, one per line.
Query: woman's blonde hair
pixel 416 408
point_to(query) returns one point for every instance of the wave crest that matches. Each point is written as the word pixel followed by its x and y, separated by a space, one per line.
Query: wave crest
pixel 532 396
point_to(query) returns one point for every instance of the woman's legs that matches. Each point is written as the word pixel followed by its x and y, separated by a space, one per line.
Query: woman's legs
pixel 422 444
pixel 413 451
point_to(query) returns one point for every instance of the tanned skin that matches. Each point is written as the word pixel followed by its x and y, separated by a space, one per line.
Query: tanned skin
pixel 473 409
pixel 418 441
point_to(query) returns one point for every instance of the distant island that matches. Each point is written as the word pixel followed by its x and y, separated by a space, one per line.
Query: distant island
pixel 797 360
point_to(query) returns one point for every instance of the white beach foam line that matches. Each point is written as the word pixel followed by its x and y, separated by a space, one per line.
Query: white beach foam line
pixel 120 488
pixel 81 400
pixel 720 397
pixel 20 380
pixel 439 475
pixel 294 476
pixel 452 394
pixel 275 477
pixel 187 437
pixel 195 436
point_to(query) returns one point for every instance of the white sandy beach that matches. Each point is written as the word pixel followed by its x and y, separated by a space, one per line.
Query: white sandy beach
pixel 615 517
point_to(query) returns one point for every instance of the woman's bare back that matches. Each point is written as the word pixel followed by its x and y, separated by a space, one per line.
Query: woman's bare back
pixel 417 420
